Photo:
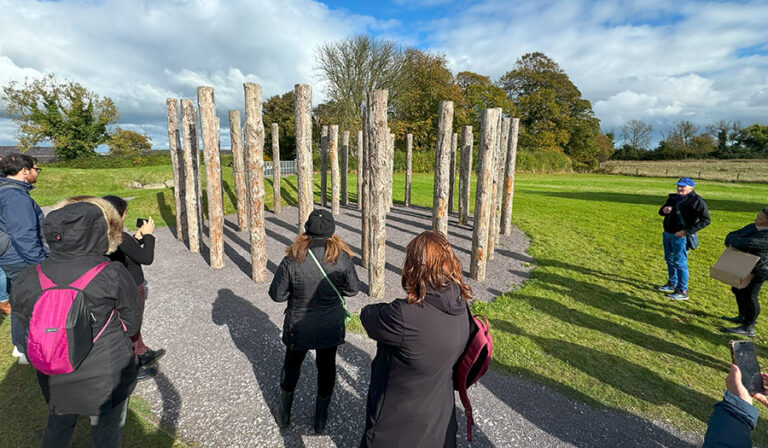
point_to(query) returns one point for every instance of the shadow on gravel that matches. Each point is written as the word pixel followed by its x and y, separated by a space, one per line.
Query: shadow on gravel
pixel 169 416
pixel 259 339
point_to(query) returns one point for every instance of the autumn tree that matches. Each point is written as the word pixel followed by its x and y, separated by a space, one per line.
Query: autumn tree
pixel 480 93
pixel 280 109
pixel 73 118
pixel 128 143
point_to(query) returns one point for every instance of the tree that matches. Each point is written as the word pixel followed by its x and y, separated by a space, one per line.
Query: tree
pixel 636 134
pixel 480 93
pixel 280 109
pixel 75 119
pixel 755 140
pixel 128 143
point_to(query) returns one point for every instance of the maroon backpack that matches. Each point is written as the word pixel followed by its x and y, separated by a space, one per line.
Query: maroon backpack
pixel 473 363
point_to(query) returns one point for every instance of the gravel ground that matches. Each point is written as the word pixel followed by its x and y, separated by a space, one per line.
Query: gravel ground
pixel 222 333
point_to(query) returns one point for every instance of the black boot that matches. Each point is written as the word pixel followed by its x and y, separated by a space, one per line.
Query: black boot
pixel 735 320
pixel 321 413
pixel 283 411
pixel 743 330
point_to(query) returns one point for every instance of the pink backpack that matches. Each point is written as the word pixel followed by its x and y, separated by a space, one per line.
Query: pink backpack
pixel 60 330
pixel 473 363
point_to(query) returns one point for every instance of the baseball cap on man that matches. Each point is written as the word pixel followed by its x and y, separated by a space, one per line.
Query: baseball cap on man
pixel 686 182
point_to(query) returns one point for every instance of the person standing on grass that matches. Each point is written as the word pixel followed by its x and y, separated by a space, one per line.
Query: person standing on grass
pixel 754 240
pixel 136 250
pixel 21 226
pixel 685 213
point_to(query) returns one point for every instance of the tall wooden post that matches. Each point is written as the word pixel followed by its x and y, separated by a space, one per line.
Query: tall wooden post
pixel 509 179
pixel 210 133
pixel 238 169
pixel 333 153
pixel 189 131
pixel 452 172
pixel 483 211
pixel 324 165
pixel 495 190
pixel 174 145
pixel 344 166
pixel 408 168
pixel 254 154
pixel 303 117
pixel 359 170
pixel 378 141
pixel 391 172
pixel 500 172
pixel 365 197
pixel 465 173
pixel 442 166
pixel 276 193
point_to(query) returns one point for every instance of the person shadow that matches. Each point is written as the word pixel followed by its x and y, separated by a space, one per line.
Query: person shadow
pixel 259 339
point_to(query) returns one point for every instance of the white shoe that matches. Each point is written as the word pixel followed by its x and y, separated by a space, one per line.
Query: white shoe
pixel 16 353
pixel 23 359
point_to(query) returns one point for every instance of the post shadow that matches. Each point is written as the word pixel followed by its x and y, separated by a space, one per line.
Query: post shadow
pixel 167 213
pixel 230 194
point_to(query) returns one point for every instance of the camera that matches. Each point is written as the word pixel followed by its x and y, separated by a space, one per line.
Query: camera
pixel 140 222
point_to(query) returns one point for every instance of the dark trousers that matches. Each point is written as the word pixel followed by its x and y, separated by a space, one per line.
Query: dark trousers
pixel 138 343
pixel 325 360
pixel 18 331
pixel 106 433
pixel 747 301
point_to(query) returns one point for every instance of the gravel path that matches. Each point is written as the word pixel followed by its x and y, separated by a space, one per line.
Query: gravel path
pixel 222 333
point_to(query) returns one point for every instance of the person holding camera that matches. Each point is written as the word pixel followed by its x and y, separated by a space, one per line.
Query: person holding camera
pixel 134 251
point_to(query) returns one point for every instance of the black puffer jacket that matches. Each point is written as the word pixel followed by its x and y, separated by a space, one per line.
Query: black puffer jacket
pixel 314 317
pixel 410 398
pixel 750 239
pixel 694 210
pixel 80 239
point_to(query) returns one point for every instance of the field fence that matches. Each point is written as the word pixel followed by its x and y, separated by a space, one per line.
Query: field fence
pixel 739 170
pixel 286 167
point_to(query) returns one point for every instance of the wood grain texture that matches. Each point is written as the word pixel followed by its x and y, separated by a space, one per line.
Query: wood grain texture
pixel 303 118
pixel 209 124
pixel 442 167
pixel 238 169
pixel 276 175
pixel 177 163
pixel 378 145
pixel 192 198
pixel 483 195
pixel 465 173
pixel 509 178
pixel 333 158
pixel 408 168
pixel 452 172
pixel 344 167
pixel 359 169
pixel 254 156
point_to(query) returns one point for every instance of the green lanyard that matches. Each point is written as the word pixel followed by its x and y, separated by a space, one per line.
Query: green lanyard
pixel 347 314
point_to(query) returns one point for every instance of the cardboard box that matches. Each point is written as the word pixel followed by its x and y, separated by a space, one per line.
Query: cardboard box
pixel 734 267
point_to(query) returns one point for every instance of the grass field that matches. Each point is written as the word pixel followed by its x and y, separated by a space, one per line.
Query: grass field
pixel 738 170
pixel 587 323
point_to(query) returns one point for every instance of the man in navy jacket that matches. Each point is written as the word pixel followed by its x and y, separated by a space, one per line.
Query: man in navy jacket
pixel 734 418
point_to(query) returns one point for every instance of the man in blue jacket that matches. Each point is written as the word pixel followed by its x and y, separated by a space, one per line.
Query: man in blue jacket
pixel 21 221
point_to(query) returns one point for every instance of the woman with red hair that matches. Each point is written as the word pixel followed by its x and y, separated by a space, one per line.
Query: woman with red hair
pixel 420 338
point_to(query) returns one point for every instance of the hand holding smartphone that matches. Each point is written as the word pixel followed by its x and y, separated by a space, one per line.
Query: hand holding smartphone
pixel 744 356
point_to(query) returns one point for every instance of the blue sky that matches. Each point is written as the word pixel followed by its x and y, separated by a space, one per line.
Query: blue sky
pixel 653 60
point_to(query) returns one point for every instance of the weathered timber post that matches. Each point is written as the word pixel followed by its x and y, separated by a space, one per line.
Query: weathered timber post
pixel 174 144
pixel 408 168
pixel 452 168
pixel 483 210
pixel 344 166
pixel 254 155
pixel 442 166
pixel 465 173
pixel 365 197
pixel 495 189
pixel 323 165
pixel 276 194
pixel 210 134
pixel 509 178
pixel 303 117
pixel 501 164
pixel 359 170
pixel 378 153
pixel 333 152
pixel 391 172
pixel 238 169
pixel 189 131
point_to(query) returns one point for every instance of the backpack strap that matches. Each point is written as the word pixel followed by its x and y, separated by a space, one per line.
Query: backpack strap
pixel 45 282
pixel 86 278
pixel 109 319
pixel 347 314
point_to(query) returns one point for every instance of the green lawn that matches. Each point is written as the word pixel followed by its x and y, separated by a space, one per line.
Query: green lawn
pixel 587 323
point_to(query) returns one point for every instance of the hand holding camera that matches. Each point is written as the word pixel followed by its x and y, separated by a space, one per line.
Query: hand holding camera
pixel 146 227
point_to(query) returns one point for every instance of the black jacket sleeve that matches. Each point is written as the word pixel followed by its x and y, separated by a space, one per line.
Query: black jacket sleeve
pixel 141 252
pixel 730 423
pixel 351 283
pixel 702 214
pixel 128 299
pixel 280 288
pixel 384 322
pixel 668 202
pixel 747 239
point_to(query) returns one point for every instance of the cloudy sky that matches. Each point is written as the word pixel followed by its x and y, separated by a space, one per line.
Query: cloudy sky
pixel 653 60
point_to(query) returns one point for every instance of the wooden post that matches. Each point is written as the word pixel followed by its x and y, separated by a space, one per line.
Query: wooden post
pixel 465 173
pixel 500 175
pixel 509 179
pixel 442 166
pixel 344 162
pixel 174 144
pixel 333 152
pixel 408 168
pixel 189 131
pixel 483 210
pixel 303 117
pixel 365 197
pixel 359 170
pixel 276 193
pixel 210 134
pixel 238 169
pixel 254 155
pixel 324 165
pixel 452 172
pixel 391 172
pixel 495 191
pixel 378 153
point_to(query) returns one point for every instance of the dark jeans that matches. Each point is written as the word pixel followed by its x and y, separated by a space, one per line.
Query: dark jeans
pixel 18 332
pixel 747 301
pixel 106 433
pixel 325 360
pixel 138 343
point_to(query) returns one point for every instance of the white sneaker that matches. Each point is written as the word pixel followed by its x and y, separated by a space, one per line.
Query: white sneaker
pixel 16 353
pixel 23 359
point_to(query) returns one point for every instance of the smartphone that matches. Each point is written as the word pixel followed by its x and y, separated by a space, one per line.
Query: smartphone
pixel 743 355
pixel 140 222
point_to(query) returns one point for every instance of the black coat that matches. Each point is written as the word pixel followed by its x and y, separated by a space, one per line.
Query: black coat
pixel 133 253
pixel 314 317
pixel 694 210
pixel 411 399
pixel 750 239
pixel 107 376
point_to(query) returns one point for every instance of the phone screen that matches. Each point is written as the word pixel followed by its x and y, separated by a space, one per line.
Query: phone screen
pixel 744 356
